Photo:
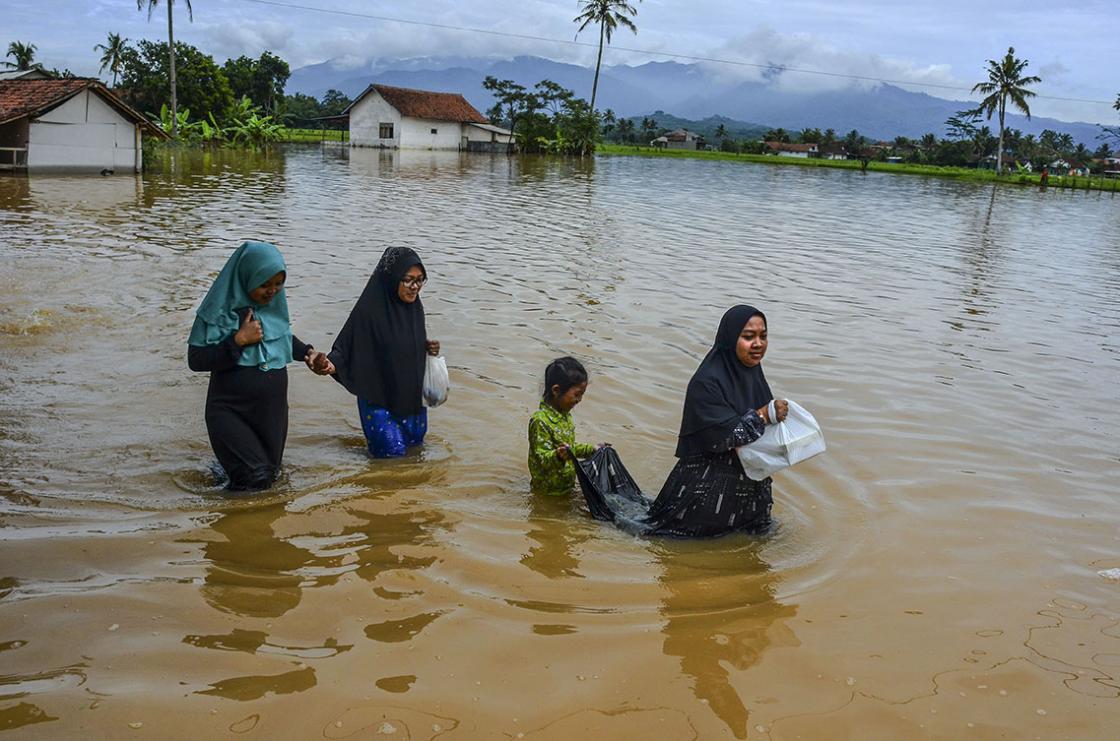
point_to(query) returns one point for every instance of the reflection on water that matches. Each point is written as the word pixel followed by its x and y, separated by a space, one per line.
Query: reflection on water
pixel 720 616
pixel 959 344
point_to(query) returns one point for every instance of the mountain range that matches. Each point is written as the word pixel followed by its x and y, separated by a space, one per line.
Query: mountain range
pixel 686 91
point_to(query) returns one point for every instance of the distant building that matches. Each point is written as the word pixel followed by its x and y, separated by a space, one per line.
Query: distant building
pixel 679 139
pixel 401 118
pixel 784 149
pixel 70 124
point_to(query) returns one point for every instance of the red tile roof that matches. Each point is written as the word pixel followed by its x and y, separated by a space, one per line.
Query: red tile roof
pixel 424 104
pixel 30 98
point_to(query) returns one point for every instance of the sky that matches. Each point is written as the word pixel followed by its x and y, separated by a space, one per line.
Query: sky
pixel 940 45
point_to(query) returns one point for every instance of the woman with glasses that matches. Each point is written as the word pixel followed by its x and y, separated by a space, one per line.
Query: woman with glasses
pixel 379 354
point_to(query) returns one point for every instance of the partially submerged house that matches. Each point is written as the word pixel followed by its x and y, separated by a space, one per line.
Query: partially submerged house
pixel 71 124
pixel 402 118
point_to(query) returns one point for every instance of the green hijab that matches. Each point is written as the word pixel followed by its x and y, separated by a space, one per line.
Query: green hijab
pixel 219 314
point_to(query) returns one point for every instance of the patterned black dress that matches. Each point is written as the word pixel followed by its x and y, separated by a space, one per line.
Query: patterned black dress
pixel 705 495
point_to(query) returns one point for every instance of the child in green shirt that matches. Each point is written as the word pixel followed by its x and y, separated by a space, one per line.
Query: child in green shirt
pixel 552 433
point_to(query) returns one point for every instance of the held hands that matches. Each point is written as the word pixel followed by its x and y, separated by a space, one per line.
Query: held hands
pixel 319 363
pixel 433 347
pixel 781 409
pixel 250 332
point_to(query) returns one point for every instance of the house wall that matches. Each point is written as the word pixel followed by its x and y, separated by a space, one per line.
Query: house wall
pixel 84 134
pixel 691 144
pixel 416 133
pixel 365 119
pixel 802 155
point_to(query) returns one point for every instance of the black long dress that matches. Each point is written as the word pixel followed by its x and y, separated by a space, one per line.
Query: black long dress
pixel 706 494
pixel 246 412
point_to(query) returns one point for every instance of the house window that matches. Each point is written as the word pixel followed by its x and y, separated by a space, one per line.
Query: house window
pixel 435 131
pixel 385 131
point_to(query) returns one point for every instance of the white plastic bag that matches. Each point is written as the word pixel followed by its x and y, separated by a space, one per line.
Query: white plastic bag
pixel 791 441
pixel 436 381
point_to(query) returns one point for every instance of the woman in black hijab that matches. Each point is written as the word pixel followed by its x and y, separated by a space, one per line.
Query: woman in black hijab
pixel 379 354
pixel 725 407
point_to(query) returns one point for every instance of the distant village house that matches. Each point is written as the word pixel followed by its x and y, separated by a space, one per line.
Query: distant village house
pixel 401 118
pixel 679 139
pixel 70 124
pixel 784 149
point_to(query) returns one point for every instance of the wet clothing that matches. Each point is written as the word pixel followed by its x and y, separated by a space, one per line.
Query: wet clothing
pixel 379 355
pixel 246 412
pixel 387 435
pixel 550 428
pixel 707 493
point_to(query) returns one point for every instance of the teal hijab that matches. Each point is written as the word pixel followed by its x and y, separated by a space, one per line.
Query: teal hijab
pixel 218 316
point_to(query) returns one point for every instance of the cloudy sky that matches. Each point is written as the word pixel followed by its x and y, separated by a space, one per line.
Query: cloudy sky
pixel 941 43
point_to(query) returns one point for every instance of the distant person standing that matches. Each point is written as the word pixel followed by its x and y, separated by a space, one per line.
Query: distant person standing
pixel 379 355
pixel 1044 177
pixel 243 337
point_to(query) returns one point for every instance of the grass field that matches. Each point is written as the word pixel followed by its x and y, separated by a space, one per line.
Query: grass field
pixel 315 135
pixel 1111 185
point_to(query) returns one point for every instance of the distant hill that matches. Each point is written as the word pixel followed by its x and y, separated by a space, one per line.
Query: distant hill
pixel 707 127
pixel 688 91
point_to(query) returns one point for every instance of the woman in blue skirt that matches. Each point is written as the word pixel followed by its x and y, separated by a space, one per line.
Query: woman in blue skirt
pixel 379 354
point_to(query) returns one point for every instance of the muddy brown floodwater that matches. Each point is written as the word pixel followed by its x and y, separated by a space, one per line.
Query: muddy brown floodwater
pixel 937 574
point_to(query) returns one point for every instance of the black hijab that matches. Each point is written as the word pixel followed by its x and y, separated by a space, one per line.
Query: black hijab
pixel 379 354
pixel 722 389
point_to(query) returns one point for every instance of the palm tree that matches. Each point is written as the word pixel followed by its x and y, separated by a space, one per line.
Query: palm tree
pixel 151 5
pixel 24 55
pixel 113 50
pixel 608 14
pixel 1005 80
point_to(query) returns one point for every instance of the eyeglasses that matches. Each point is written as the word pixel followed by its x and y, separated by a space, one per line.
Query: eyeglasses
pixel 414 282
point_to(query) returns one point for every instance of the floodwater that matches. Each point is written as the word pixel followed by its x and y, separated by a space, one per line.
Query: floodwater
pixel 937 574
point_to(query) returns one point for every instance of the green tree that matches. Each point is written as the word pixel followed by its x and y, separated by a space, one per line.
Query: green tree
pixel 609 14
pixel 24 55
pixel 776 135
pixel 171 50
pixel 512 102
pixel 112 56
pixel 260 80
pixel 609 122
pixel 626 130
pixel 649 129
pixel 720 134
pixel 963 124
pixel 810 136
pixel 1005 82
pixel 334 102
pixel 203 87
pixel 1111 132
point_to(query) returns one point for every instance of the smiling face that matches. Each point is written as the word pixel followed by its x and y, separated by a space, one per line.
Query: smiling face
pixel 752 342
pixel 408 290
pixel 566 401
pixel 265 292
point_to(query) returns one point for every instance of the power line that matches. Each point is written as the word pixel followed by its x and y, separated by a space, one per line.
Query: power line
pixel 648 52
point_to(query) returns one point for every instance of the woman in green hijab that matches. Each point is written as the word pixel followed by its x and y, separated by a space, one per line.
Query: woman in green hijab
pixel 243 337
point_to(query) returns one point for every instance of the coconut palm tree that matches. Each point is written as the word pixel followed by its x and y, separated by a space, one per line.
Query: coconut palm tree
pixel 24 55
pixel 1005 81
pixel 113 50
pixel 151 5
pixel 609 14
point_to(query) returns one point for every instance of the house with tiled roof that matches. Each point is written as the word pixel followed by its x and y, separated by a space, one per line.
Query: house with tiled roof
pixel 71 124
pixel 401 118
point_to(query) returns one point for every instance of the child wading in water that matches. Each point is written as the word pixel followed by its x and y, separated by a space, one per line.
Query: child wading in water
pixel 552 433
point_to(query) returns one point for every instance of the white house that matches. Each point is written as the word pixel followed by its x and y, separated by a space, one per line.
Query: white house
pixel 679 139
pixel 402 118
pixel 70 124
pixel 784 149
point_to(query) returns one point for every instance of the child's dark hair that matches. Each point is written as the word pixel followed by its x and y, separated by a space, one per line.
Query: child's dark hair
pixel 564 372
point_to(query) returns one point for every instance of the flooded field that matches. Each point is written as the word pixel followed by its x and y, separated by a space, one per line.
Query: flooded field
pixel 937 574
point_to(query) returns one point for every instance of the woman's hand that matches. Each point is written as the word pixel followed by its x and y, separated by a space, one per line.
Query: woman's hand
pixel 250 332
pixel 433 347
pixel 781 409
pixel 600 446
pixel 319 363
pixel 564 453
